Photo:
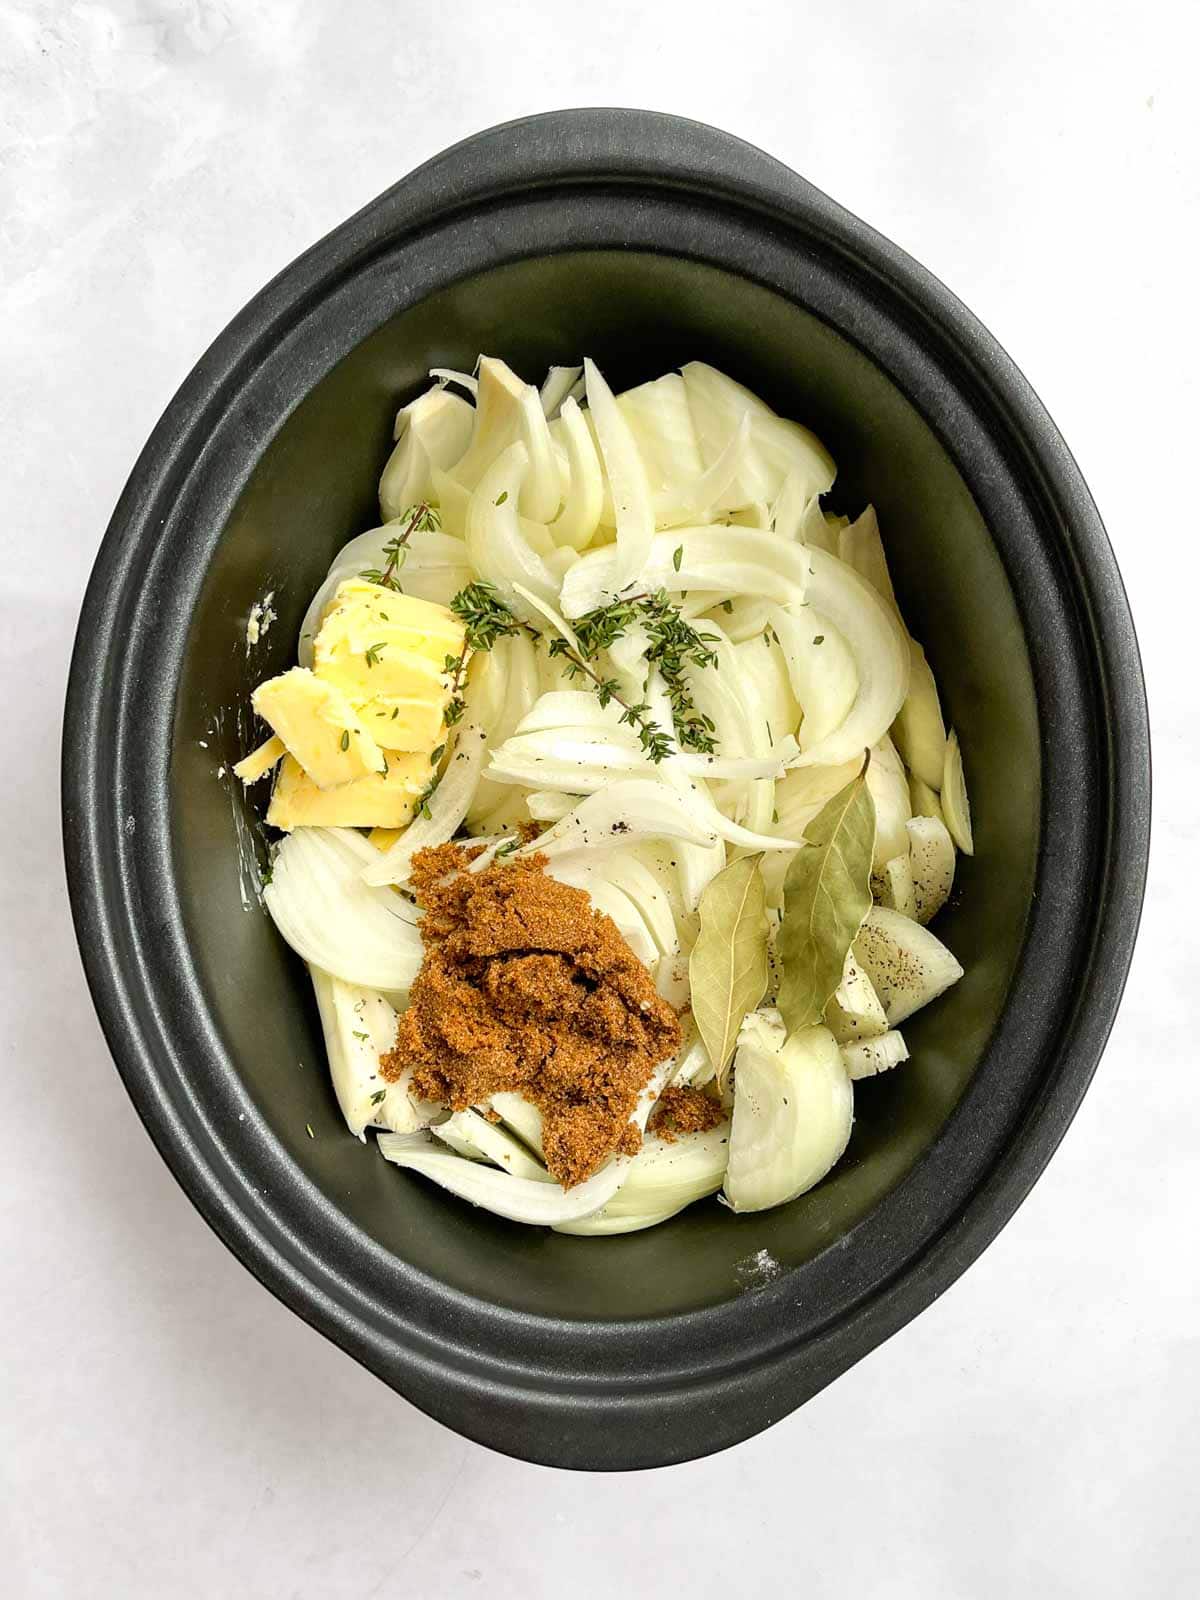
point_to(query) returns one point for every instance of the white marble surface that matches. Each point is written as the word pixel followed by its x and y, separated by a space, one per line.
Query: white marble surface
pixel 167 1428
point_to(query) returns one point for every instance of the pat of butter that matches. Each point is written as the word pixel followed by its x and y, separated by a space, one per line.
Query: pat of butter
pixel 259 762
pixel 363 615
pixel 319 726
pixel 405 722
pixel 378 800
pixel 393 658
pixel 387 674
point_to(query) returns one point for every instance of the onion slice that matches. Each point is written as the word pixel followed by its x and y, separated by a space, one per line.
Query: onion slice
pixel 879 647
pixel 632 503
pixel 320 904
pixel 522 1199
pixel 748 561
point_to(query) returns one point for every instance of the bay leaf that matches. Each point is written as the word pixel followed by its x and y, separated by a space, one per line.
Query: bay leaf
pixel 826 897
pixel 728 966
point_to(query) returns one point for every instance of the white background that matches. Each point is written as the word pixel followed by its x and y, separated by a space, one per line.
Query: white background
pixel 167 1428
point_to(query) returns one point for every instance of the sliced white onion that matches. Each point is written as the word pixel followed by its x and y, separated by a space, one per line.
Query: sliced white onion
pixel 521 1199
pixel 719 694
pixel 453 502
pixel 548 805
pixel 932 852
pixel 908 965
pixel 682 484
pixel 610 898
pixel 502 686
pixel 772 708
pixel 431 431
pixel 521 1115
pixel 480 1140
pixel 918 730
pixel 693 1064
pixel 879 647
pixel 497 421
pixel 819 531
pixel 320 904
pixel 695 863
pixel 660 421
pixel 497 546
pixel 888 784
pixel 666 1176
pixel 619 814
pixel 583 502
pixel 955 806
pixel 793 1106
pixel 696 800
pixel 628 657
pixel 790 507
pixel 755 515
pixel 660 857
pixel 724 560
pixel 465 380
pixel 632 503
pixel 642 886
pixel 777 448
pixel 584 760
pixel 553 761
pixel 556 389
pixel 541 492
pixel 603 1224
pixel 822 671
pixel 360 1026
pixel 572 708
pixel 869 1057
pixel 860 547
pixel 712 487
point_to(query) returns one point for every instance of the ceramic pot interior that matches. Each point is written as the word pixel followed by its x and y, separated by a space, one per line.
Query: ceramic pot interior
pixel 638 314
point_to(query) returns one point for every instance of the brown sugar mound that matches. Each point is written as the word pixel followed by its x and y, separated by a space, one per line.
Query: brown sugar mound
pixel 682 1109
pixel 524 986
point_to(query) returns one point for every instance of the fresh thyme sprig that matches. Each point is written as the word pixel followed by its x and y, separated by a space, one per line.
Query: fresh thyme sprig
pixel 672 645
pixel 655 743
pixel 422 518
pixel 485 619
pixel 484 615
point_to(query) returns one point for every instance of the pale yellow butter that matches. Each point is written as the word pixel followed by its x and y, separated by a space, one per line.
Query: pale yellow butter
pixel 392 657
pixel 259 762
pixel 319 726
pixel 407 722
pixel 381 799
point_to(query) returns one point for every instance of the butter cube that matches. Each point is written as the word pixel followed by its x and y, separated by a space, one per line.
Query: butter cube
pixel 388 655
pixel 359 609
pixel 319 726
pixel 378 800
pixel 259 762
pixel 405 722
